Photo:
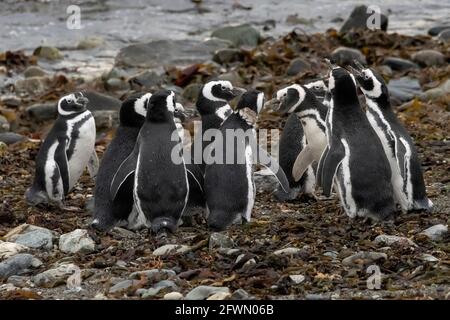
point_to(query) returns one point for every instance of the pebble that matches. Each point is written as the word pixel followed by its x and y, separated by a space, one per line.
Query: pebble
pixel 19 281
pixel 434 31
pixel 54 277
pixel 43 111
pixel 153 291
pixel 11 101
pixel 123 286
pixel 388 240
pixel 203 292
pixel 46 52
pixel 18 264
pixel 90 43
pixel 287 252
pixel 248 262
pixel 403 89
pixel 31 236
pixel 220 240
pixel 227 55
pixel 153 274
pixel 297 278
pixel 399 64
pixel 436 232
pixel 11 137
pixel 146 79
pixel 34 71
pixel 296 66
pixel 364 257
pixel 220 296
pixel 315 296
pixel 32 86
pixel 76 241
pixel 435 93
pixel 171 248
pixel 429 258
pixel 173 296
pixel 241 294
pixel 241 35
pixel 429 58
pixel 116 84
pixel 9 249
pixel 345 56
pixel 228 252
pixel 444 36
pixel 4 124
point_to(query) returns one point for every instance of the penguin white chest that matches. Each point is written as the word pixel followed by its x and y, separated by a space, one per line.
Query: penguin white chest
pixel 83 140
pixel 250 186
pixel 315 137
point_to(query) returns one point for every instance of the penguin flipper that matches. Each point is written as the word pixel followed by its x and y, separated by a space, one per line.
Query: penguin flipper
pixel 126 168
pixel 319 169
pixel 270 163
pixel 93 165
pixel 400 155
pixel 62 164
pixel 330 166
pixel 303 160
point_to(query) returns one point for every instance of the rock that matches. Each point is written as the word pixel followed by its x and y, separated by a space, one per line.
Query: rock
pixel 4 124
pixel 11 101
pixel 153 274
pixel 171 249
pixel 158 53
pixel 297 278
pixel 363 257
pixel 9 249
pixel 294 19
pixel 123 286
pixel 287 252
pixel 220 296
pixel 223 56
pixel 399 64
pixel 444 36
pixel 241 35
pixel 153 291
pixel 359 17
pixel 31 236
pixel 146 79
pixel 436 232
pixel 11 137
pixel 332 254
pixel 173 296
pixel 434 31
pixel 49 53
pixel 203 292
pixel 437 92
pixel 297 66
pixel 76 241
pixel 90 43
pixel 403 89
pixel 105 119
pixel 242 256
pixel 228 252
pixel 122 233
pixel 32 86
pixel 220 240
pixel 316 296
pixel 19 281
pixel 190 93
pixel 34 71
pixel 43 111
pixel 344 56
pixel 241 294
pixel 18 264
pixel 54 277
pixel 232 76
pixel 388 240
pixel 429 58
pixel 115 84
pixel 429 258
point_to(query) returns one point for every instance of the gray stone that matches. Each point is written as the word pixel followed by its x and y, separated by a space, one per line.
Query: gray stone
pixel 19 281
pixel 49 53
pixel 388 240
pixel 36 239
pixel 444 36
pixel 123 286
pixel 11 101
pixel 171 249
pixel 101 102
pixel 43 111
pixel 116 84
pixel 220 240
pixel 241 35
pixel 434 31
pixel 219 296
pixel 153 291
pixel 34 71
pixel 146 79
pixel 4 124
pixel 429 258
pixel 76 241
pixel 399 64
pixel 90 43
pixel 226 55
pixel 54 277
pixel 173 296
pixel 345 56
pixel 153 274
pixel 106 119
pixel 18 264
pixel 241 294
pixel 317 296
pixel 365 257
pixel 158 53
pixel 11 137
pixel 437 92
pixel 228 252
pixel 9 249
pixel 296 66
pixel 232 76
pixel 297 278
pixel 247 263
pixel 32 86
pixel 359 17
pixel 403 89
pixel 429 58
pixel 203 292
pixel 436 232
pixel 287 252
pixel 190 93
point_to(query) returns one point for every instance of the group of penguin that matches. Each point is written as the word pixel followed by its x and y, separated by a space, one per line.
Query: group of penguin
pixel 330 140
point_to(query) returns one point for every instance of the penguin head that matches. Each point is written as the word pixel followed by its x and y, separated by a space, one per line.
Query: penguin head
pixel 253 100
pixel 318 87
pixel 288 99
pixel 134 110
pixel 162 106
pixel 219 91
pixel 342 85
pixel 370 82
pixel 72 104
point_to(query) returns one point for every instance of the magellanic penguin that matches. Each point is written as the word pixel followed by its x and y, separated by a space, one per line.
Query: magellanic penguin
pixel 407 177
pixel 108 211
pixel 229 185
pixel 161 186
pixel 312 114
pixel 320 89
pixel 65 153
pixel 355 155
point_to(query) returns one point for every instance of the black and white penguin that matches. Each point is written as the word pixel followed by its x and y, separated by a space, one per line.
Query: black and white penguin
pixel 320 90
pixel 161 186
pixel 407 178
pixel 229 186
pixel 65 153
pixel 355 156
pixel 109 212
pixel 312 114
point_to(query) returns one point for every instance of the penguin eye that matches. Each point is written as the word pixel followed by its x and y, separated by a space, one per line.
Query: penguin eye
pixel 223 87
pixel 366 76
pixel 316 87
pixel 69 100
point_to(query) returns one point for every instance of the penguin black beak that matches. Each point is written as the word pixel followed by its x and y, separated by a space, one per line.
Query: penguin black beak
pixel 236 91
pixel 82 101
pixel 356 71
pixel 331 65
pixel 273 104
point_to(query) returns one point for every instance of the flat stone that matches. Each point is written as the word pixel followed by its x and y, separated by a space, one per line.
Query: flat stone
pixel 90 43
pixel 297 278
pixel 76 241
pixel 11 101
pixel 388 240
pixel 436 232
pixel 297 66
pixel 19 281
pixel 173 296
pixel 43 111
pixel 49 53
pixel 54 277
pixel 34 71
pixel 444 36
pixel 227 55
pixel 241 294
pixel 32 86
pixel 146 79
pixel 434 31
pixel 220 296
pixel 220 240
pixel 228 252
pixel 240 35
pixel 171 249
pixel 31 236
pixel 404 89
pixel 429 258
pixel 190 93
pixel 11 137
pixel 399 64
pixel 123 286
pixel 429 58
pixel 287 252
pixel 153 274
pixel 9 249
pixel 203 292
pixel 345 56
pixel 153 291
pixel 18 264
pixel 364 257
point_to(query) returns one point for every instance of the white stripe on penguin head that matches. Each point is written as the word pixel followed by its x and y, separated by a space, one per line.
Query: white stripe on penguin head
pixel 376 90
pixel 140 104
pixel 170 103
pixel 260 102
pixel 207 89
pixel 67 98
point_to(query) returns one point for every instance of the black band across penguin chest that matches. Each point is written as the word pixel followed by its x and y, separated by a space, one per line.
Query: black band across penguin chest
pixel 75 134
